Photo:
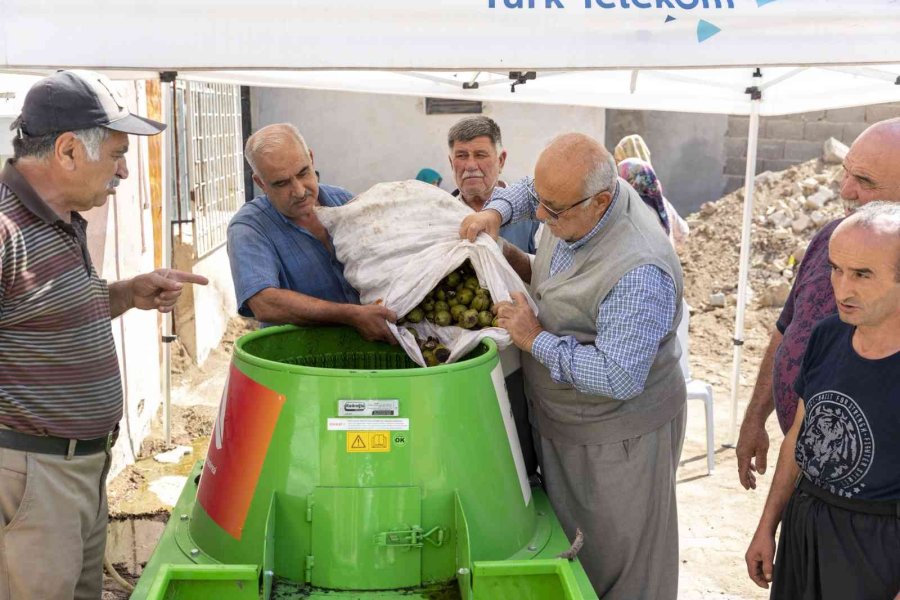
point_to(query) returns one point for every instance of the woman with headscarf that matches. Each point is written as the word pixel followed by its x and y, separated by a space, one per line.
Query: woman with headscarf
pixel 631 146
pixel 633 158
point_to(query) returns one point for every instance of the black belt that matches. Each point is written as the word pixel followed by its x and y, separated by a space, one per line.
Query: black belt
pixel 45 444
pixel 884 508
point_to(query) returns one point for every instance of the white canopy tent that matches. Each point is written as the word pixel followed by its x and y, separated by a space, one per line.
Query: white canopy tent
pixel 721 91
pixel 448 35
pixel 746 57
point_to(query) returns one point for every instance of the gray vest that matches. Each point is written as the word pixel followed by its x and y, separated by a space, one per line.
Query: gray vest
pixel 568 305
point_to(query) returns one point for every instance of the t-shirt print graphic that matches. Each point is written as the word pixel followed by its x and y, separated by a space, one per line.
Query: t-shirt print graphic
pixel 836 446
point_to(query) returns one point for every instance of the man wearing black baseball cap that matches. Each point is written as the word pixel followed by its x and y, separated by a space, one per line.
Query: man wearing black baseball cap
pixel 73 100
pixel 60 388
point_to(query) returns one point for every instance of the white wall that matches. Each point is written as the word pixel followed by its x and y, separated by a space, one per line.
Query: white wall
pixel 120 240
pixel 359 140
pixel 6 150
pixel 13 89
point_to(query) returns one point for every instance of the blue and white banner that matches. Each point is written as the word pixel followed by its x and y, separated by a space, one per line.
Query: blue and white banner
pixel 452 35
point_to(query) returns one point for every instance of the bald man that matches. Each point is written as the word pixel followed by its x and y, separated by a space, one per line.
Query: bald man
pixel 836 489
pixel 871 172
pixel 282 260
pixel 602 378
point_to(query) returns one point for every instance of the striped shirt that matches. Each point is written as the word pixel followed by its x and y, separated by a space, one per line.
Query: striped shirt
pixel 631 320
pixel 59 373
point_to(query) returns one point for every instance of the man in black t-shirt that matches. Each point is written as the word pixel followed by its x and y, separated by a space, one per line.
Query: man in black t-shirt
pixel 836 489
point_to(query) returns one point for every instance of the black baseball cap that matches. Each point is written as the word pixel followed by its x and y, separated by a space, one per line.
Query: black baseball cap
pixel 76 99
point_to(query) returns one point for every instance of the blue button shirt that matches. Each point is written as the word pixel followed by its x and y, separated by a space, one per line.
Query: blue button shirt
pixel 267 250
pixel 520 234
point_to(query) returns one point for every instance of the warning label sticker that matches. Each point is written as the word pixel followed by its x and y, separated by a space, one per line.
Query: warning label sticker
pixel 368 424
pixel 368 441
pixel 368 408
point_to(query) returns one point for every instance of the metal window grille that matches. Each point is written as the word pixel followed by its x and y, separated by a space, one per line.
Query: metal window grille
pixel 210 160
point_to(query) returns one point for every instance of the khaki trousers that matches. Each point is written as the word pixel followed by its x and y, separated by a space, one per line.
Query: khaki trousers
pixel 622 497
pixel 53 520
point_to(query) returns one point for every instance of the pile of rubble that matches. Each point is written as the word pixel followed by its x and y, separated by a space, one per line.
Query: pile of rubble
pixel 789 207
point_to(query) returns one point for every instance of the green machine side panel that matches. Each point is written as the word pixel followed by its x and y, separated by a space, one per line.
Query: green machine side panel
pixel 352 543
pixel 539 579
pixel 188 582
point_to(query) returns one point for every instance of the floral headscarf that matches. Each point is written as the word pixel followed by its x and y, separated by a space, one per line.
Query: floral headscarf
pixel 643 179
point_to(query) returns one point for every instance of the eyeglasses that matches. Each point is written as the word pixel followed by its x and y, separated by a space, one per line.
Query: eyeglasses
pixel 555 214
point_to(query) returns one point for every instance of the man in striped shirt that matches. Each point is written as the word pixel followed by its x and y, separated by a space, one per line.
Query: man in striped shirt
pixel 60 389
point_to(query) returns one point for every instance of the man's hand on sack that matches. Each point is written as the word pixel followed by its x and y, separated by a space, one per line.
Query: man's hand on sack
pixel 487 221
pixel 519 320
pixel 371 322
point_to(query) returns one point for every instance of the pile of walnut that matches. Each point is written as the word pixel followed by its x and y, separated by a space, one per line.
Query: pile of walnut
pixel 457 301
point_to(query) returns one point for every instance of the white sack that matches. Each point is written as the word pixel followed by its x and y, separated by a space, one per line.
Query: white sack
pixel 398 240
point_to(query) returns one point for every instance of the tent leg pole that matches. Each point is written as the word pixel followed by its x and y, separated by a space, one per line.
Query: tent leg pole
pixel 168 203
pixel 749 177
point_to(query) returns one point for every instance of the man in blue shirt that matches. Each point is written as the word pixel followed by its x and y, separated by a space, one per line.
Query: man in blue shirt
pixel 282 259
pixel 477 158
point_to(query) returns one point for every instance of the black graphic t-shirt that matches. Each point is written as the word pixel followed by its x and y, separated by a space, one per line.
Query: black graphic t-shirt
pixel 849 443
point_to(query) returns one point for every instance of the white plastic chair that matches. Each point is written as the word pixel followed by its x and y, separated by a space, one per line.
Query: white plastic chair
pixel 696 389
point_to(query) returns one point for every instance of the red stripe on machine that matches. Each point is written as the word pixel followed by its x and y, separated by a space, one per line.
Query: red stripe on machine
pixel 247 417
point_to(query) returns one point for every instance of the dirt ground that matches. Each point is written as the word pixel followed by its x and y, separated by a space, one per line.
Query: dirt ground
pixel 717 516
pixel 195 402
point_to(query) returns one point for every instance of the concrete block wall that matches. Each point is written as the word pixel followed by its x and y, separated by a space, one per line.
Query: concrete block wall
pixel 791 139
pixel 686 150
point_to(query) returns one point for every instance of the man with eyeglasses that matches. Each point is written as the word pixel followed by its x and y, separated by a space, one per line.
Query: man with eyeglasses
pixel 605 390
pixel 871 172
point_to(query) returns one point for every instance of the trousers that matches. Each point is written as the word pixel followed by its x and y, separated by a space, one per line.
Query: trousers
pixel 622 497
pixel 53 522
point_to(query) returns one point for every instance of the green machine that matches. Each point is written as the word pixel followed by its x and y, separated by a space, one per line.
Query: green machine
pixel 339 469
